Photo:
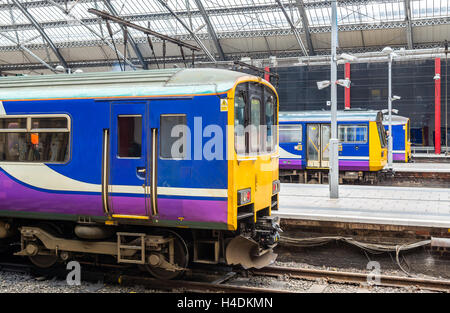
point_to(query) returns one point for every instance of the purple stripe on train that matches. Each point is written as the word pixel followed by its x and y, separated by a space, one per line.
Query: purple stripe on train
pixel 352 165
pixel 344 165
pixel 17 197
pixel 214 211
pixel 398 156
pixel 291 164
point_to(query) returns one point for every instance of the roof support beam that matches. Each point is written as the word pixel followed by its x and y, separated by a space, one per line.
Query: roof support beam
pixel 305 25
pixel 409 36
pixel 211 30
pixel 42 32
pixel 133 44
pixel 293 28
pixel 29 52
pixel 194 35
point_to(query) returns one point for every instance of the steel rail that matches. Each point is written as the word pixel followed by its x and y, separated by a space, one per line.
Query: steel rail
pixel 351 277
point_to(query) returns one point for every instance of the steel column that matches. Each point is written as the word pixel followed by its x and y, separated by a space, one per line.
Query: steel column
pixel 347 89
pixel 390 143
pixel 437 106
pixel 333 177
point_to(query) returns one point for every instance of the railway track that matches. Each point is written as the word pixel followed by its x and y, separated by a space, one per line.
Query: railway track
pixel 220 284
pixel 354 278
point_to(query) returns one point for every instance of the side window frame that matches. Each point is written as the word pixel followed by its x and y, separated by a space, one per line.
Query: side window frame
pixel 30 130
pixel 185 137
pixel 118 135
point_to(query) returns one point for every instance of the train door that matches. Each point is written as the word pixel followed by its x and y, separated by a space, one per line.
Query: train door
pixel 318 152
pixel 325 134
pixel 170 156
pixel 129 168
pixel 313 145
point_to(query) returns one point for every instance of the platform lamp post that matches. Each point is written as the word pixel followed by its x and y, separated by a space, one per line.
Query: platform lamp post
pixel 391 54
pixel 333 177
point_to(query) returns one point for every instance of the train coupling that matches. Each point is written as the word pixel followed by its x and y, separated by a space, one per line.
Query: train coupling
pixel 256 252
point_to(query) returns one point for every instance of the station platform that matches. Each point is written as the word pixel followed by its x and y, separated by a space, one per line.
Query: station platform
pixel 422 167
pixel 400 206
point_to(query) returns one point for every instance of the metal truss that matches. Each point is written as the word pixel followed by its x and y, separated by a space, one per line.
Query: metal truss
pixel 204 58
pixel 41 31
pixel 409 36
pixel 211 31
pixel 293 28
pixel 133 44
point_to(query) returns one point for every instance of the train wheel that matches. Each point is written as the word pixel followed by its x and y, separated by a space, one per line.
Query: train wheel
pixel 181 258
pixel 44 261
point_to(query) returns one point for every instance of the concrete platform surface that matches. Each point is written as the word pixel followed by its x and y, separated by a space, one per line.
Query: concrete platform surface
pixel 426 207
pixel 431 155
pixel 422 167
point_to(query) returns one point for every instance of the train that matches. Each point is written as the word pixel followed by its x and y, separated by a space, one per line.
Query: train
pixel 401 137
pixel 304 145
pixel 153 168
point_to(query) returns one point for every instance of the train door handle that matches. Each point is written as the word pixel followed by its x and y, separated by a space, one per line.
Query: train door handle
pixel 141 172
pixel 357 147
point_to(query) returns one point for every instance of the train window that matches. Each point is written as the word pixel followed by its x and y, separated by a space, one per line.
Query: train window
pixel 8 124
pixel 129 139
pixel 271 120
pixel 290 133
pixel 255 119
pixel 352 133
pixel 21 142
pixel 382 134
pixel 255 122
pixel 239 123
pixel 173 136
pixel 49 123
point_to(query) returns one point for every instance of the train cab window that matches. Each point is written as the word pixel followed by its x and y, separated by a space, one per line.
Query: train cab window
pixel 173 136
pixel 255 119
pixel 129 136
pixel 255 122
pixel 34 139
pixel 239 123
pixel 290 133
pixel 271 120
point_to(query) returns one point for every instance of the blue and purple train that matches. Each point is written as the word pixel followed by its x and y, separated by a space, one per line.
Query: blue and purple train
pixel 304 145
pixel 149 167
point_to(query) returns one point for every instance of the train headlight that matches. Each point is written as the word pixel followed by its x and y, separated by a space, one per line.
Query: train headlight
pixel 275 187
pixel 244 196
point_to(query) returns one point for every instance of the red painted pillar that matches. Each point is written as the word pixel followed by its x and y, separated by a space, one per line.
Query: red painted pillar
pixel 347 90
pixel 266 75
pixel 437 106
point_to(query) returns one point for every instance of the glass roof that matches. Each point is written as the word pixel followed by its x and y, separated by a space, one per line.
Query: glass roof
pixel 230 17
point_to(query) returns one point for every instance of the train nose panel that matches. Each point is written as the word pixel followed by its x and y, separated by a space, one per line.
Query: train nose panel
pixel 246 252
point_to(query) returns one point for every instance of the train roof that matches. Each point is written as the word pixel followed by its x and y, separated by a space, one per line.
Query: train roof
pixel 396 120
pixel 325 116
pixel 119 84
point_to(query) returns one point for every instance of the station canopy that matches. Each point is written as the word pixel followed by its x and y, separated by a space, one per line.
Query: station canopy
pixel 37 35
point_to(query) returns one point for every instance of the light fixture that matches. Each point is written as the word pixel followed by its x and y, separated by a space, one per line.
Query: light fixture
pixel 387 50
pixel 323 84
pixel 396 98
pixel 348 57
pixel 78 71
pixel 344 82
pixel 60 68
